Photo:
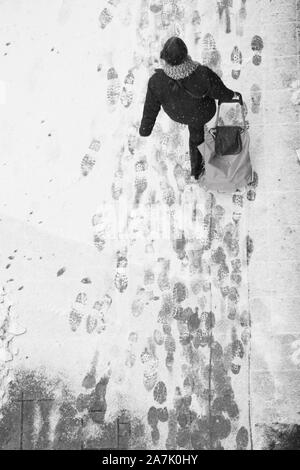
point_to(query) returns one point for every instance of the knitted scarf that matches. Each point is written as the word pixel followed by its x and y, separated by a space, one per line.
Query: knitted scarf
pixel 182 70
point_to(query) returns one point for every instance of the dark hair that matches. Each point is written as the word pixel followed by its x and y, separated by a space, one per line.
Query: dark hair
pixel 174 51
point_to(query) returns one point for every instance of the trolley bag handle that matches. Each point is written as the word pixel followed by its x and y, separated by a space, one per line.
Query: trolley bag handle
pixel 233 100
pixel 220 102
pixel 228 138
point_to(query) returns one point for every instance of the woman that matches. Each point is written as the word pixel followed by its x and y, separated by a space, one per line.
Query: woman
pixel 190 101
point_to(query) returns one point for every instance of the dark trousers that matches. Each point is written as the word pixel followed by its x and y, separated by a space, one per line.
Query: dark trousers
pixel 196 138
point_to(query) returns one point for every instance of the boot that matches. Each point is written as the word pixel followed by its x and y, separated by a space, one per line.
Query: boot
pixel 197 163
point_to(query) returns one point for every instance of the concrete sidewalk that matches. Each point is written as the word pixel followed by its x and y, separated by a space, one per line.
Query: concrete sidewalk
pixel 139 310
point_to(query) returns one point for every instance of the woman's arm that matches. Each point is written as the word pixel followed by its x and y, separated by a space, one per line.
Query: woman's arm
pixel 151 110
pixel 217 89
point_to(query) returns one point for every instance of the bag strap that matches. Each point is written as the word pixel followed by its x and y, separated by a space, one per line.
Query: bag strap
pixel 189 92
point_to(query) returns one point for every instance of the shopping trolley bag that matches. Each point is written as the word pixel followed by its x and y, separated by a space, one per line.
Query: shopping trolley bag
pixel 226 154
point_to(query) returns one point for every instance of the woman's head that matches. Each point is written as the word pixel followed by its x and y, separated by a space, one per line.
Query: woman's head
pixel 174 51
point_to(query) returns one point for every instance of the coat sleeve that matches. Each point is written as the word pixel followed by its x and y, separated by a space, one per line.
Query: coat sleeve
pixel 151 110
pixel 217 89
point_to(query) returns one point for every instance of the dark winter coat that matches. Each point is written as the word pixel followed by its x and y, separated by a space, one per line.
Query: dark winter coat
pixel 179 105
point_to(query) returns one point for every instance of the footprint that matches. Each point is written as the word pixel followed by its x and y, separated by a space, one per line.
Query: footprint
pixel 188 385
pixel 170 347
pixel 130 354
pixel 91 322
pixel 254 183
pixel 223 272
pixel 250 248
pixel 77 312
pixel 184 335
pixel 211 230
pixel 132 141
pixel 210 55
pixel 242 439
pixel 257 46
pixel 163 278
pixel 195 261
pixel 193 322
pixel 237 349
pixel 196 286
pixel 158 337
pixel 153 419
pixel 87 164
pixel 113 88
pixel 140 182
pixel 251 195
pixel 243 11
pixel 241 16
pixel 107 14
pixel 127 90
pixel 236 274
pixel 230 240
pixel 207 322
pixel 95 145
pixel 151 369
pixel 236 60
pixel 180 292
pixel 167 16
pixel 139 302
pixel 223 7
pixel 246 336
pixel 143 16
pixel 121 279
pixel 218 256
pixel 172 430
pixel 117 185
pixel 156 6
pixel 196 25
pixel 179 245
pixel 105 18
pixel 233 295
pixel 255 98
pixel 100 310
pixel 146 355
pixel 89 160
pixel 160 392
pixel 163 414
pixel 99 240
pixel 100 230
pixel 81 298
pixel 75 318
pixel 179 176
pixel 244 318
pixel 165 312
pixel 162 167
pixel 238 201
pixel 130 358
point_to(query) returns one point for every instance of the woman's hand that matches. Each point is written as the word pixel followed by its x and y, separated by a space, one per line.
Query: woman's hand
pixel 237 96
